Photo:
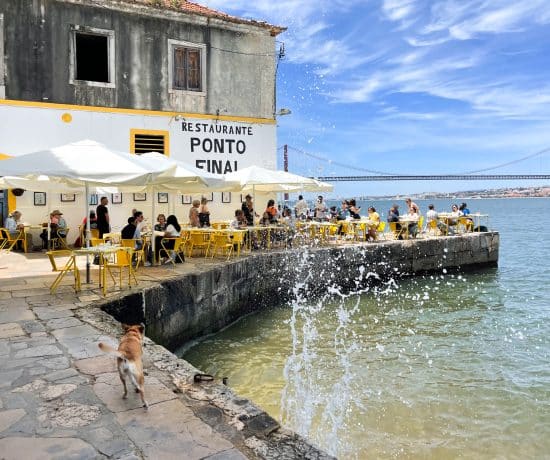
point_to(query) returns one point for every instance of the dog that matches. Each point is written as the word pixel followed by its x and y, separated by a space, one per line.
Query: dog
pixel 129 353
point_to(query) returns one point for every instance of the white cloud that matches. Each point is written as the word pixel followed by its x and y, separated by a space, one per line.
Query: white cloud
pixel 398 10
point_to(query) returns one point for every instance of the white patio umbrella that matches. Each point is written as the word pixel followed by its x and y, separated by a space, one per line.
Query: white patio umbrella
pixel 261 179
pixel 87 164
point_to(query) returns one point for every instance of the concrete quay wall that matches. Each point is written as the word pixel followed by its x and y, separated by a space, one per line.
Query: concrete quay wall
pixel 179 310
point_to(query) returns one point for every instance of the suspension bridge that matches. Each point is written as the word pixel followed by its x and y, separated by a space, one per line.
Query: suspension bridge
pixel 306 162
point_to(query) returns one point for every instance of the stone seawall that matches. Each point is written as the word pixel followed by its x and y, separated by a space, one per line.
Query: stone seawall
pixel 179 310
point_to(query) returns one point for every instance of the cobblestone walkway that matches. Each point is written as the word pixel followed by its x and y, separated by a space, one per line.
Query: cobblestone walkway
pixel 60 396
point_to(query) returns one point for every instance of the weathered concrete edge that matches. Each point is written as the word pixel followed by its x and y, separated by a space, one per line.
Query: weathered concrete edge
pixel 244 423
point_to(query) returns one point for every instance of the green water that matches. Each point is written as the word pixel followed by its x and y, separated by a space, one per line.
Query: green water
pixel 444 366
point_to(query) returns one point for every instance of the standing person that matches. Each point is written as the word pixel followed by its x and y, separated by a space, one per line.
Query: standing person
pixel 103 221
pixel 194 220
pixel 301 208
pixel 320 209
pixel 272 211
pixel 204 213
pixel 413 207
pixel 248 209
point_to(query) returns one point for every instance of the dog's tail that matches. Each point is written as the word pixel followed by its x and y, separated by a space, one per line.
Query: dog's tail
pixel 112 351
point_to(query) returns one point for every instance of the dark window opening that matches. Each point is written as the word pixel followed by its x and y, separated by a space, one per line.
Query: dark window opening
pixel 187 69
pixel 144 143
pixel 92 57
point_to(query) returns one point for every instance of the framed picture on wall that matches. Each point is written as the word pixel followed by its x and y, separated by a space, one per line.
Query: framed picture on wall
pixel 208 196
pixel 140 196
pixel 226 197
pixel 93 199
pixel 162 197
pixel 40 198
pixel 186 199
pixel 66 197
pixel 116 198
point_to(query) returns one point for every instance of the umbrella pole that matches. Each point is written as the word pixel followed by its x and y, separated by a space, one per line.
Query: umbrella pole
pixel 153 220
pixel 87 230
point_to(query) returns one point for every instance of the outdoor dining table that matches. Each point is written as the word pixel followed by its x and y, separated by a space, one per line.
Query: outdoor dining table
pixel 103 251
pixel 405 222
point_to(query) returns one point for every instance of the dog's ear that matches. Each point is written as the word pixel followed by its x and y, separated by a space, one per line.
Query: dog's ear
pixel 142 328
pixel 125 327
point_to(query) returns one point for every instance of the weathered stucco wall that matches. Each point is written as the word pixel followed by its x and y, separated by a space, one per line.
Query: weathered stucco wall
pixel 177 311
pixel 239 63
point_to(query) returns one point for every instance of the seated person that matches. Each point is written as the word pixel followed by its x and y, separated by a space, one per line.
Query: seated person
pixel 453 218
pixel 172 230
pixel 128 231
pixel 393 216
pixel 160 226
pixel 57 225
pixel 266 219
pixel 432 216
pixel 412 226
pixel 240 220
pixel 374 221
pixel 15 227
pixel 468 223
pixel 353 210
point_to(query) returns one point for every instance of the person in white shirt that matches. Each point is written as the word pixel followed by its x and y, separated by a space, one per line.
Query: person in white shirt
pixel 173 230
pixel 432 216
pixel 301 208
pixel 320 209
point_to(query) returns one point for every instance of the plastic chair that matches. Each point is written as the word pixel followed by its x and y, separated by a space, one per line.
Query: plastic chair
pixel 220 242
pixel 134 244
pixel 122 260
pixel 174 251
pixel 63 267
pixel 9 241
pixel 198 240
pixel 238 240
pixel 380 230
pixel 397 232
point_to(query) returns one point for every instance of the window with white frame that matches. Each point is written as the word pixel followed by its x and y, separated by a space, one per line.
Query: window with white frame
pixel 92 56
pixel 186 66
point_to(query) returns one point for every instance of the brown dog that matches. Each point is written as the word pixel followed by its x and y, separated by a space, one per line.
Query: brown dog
pixel 129 358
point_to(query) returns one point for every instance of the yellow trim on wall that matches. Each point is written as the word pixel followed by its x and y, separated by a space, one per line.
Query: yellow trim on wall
pixel 12 201
pixel 154 132
pixel 153 113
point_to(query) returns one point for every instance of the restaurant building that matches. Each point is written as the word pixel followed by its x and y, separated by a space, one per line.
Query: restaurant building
pixel 137 75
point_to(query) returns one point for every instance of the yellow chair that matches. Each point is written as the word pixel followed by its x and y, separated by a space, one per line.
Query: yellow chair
pixel 122 260
pixel 238 240
pixel 361 231
pixel 465 224
pixel 380 230
pixel 59 239
pixel 198 240
pixel 9 240
pixel 135 243
pixel 431 228
pixel 176 250
pixel 220 242
pixel 396 231
pixel 63 267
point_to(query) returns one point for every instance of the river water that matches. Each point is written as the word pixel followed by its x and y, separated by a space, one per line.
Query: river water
pixel 442 366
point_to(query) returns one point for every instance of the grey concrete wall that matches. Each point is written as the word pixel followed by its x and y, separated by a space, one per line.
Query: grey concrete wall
pixel 180 310
pixel 240 63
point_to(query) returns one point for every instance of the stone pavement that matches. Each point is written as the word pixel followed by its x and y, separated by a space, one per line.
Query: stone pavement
pixel 60 396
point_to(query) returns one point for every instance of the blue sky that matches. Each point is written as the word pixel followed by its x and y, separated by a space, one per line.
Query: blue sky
pixel 411 87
